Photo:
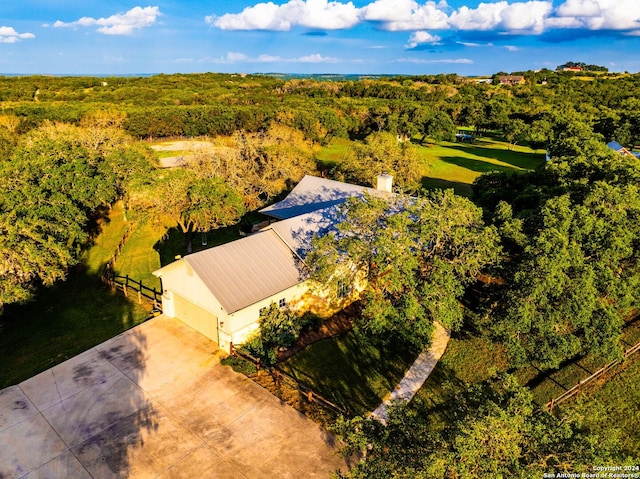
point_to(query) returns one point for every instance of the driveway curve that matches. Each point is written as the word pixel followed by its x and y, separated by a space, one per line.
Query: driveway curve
pixel 155 402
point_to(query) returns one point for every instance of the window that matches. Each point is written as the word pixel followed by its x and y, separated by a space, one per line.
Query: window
pixel 282 303
pixel 344 289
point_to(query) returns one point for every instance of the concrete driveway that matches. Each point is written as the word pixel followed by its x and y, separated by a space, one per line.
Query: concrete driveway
pixel 155 402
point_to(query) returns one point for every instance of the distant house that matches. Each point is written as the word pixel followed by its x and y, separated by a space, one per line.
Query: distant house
pixel 618 148
pixel 572 69
pixel 511 80
pixel 221 291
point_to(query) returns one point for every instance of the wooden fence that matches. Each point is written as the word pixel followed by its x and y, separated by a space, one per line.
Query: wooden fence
pixel 599 373
pixel 127 285
pixel 109 267
pixel 279 376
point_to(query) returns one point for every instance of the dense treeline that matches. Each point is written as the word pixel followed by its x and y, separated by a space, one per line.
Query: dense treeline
pixel 216 104
pixel 54 180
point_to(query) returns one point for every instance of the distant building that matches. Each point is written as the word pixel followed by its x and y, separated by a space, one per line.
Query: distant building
pixel 618 148
pixel 512 80
pixel 572 69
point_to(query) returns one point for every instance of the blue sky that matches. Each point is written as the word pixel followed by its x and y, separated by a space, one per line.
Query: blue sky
pixel 467 37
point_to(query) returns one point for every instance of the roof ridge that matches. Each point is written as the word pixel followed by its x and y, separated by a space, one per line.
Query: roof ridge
pixel 270 228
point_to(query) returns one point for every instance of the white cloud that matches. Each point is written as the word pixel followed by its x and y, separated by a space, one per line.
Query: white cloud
pixel 320 14
pixel 530 17
pixel 475 45
pixel 599 14
pixel 316 58
pixel 119 24
pixel 9 35
pixel 516 17
pixel 512 48
pixel 268 59
pixel 526 17
pixel 423 38
pixel 237 57
pixel 578 8
pixel 403 15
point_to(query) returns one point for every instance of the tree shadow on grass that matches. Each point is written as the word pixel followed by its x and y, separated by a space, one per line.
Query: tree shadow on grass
pixel 518 160
pixel 462 189
pixel 174 242
pixel 439 393
pixel 477 165
pixel 60 322
pixel 352 374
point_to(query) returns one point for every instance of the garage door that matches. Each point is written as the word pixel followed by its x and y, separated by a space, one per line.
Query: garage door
pixel 198 318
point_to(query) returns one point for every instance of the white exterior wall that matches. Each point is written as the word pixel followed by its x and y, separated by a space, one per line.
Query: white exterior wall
pixel 178 277
pixel 243 323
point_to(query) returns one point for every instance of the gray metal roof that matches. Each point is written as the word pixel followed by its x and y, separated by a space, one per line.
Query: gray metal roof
pixel 245 271
pixel 248 270
pixel 311 194
pixel 298 231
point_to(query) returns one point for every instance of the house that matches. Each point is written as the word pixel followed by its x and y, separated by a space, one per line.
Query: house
pixel 618 148
pixel 221 291
pixel 511 80
pixel 572 69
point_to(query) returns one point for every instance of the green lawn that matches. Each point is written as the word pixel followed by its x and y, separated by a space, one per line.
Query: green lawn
pixel 470 359
pixel 139 257
pixel 350 373
pixel 457 165
pixel 110 232
pixel 332 153
pixel 454 165
pixel 77 314
pixel 61 322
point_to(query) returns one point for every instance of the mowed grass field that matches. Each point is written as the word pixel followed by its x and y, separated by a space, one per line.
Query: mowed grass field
pixel 455 165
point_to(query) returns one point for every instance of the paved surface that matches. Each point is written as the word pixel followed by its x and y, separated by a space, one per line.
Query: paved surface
pixel 417 374
pixel 155 402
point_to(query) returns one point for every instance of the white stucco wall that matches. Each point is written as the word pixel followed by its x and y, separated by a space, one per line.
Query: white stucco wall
pixel 242 323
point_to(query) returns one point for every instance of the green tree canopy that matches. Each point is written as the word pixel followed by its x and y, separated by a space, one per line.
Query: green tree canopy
pixel 417 254
pixel 493 430
pixel 380 153
pixel 196 204
pixel 56 178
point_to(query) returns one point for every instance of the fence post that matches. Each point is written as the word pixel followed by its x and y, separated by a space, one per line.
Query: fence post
pixel 310 395
pixel 258 364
